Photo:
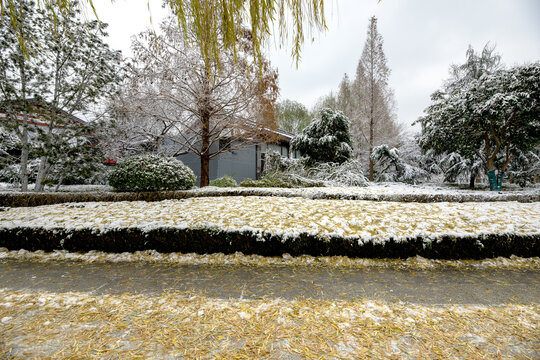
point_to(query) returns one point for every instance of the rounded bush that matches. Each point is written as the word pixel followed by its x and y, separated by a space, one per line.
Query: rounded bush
pixel 225 181
pixel 151 173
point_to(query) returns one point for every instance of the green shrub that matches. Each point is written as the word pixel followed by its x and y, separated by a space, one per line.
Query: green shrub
pixel 151 173
pixel 225 181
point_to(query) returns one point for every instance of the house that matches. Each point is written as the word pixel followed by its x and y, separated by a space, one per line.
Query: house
pixel 38 112
pixel 241 162
pixel 38 116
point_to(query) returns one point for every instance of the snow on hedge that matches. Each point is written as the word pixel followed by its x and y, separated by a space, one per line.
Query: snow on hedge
pixel 384 191
pixel 365 220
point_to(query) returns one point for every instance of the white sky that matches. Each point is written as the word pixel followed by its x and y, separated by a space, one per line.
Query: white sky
pixel 421 39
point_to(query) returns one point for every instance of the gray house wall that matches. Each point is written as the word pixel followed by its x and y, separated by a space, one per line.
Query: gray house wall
pixel 245 162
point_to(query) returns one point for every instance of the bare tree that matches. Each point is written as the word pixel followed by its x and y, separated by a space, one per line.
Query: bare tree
pixel 180 101
pixel 375 99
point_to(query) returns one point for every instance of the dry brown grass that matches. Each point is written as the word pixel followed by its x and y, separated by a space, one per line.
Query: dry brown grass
pixel 81 325
pixel 154 257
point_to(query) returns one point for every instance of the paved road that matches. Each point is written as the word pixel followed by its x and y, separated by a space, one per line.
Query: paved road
pixel 441 286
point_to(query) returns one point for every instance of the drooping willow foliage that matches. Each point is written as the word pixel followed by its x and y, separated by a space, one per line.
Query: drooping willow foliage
pixel 219 20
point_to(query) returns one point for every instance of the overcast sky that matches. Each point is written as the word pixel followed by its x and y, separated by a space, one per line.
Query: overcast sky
pixel 421 39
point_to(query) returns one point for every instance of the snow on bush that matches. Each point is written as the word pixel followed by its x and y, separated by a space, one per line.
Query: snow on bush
pixel 390 167
pixel 348 173
pixel 326 139
pixel 150 173
pixel 225 181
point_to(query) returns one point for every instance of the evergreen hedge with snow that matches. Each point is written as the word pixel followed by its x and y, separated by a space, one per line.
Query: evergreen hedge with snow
pixel 151 173
pixel 326 139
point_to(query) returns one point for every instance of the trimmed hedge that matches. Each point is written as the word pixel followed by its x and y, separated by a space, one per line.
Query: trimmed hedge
pixel 151 173
pixel 37 199
pixel 210 240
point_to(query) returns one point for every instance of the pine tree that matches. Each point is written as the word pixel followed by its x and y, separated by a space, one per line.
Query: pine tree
pixel 325 139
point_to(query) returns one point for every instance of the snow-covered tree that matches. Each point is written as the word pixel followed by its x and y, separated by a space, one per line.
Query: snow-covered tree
pixel 292 116
pixel 375 98
pixel 175 99
pixel 389 166
pixel 325 139
pixel 367 100
pixel 491 117
pixel 457 166
pixel 525 167
pixel 70 70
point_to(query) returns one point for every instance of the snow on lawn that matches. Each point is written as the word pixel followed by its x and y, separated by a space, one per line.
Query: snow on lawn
pixel 365 220
pixel 173 325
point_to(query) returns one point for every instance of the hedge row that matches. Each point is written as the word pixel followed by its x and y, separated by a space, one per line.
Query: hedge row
pixel 209 240
pixel 37 199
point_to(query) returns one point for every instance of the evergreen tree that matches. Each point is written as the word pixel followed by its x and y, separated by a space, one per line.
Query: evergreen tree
pixel 326 139
pixel 71 70
pixel 492 117
pixel 368 101
pixel 475 66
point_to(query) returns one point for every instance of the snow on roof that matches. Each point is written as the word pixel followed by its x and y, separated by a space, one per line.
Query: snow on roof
pixel 44 104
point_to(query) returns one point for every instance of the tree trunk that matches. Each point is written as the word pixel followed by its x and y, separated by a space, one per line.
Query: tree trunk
pixel 371 164
pixel 472 175
pixel 371 124
pixel 205 153
pixel 42 173
pixel 472 180
pixel 23 171
pixel 23 136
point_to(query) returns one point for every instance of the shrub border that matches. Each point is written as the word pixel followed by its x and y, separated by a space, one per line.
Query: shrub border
pixel 212 240
pixel 37 199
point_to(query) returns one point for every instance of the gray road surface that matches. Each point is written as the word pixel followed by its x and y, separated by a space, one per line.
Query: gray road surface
pixel 441 286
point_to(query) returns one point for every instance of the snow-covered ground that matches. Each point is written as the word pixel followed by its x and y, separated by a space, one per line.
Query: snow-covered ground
pixel 374 221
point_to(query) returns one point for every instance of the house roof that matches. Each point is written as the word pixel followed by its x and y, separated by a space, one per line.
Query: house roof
pixel 39 103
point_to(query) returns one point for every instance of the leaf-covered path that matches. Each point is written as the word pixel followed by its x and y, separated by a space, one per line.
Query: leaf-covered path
pixel 442 285
pixel 173 306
